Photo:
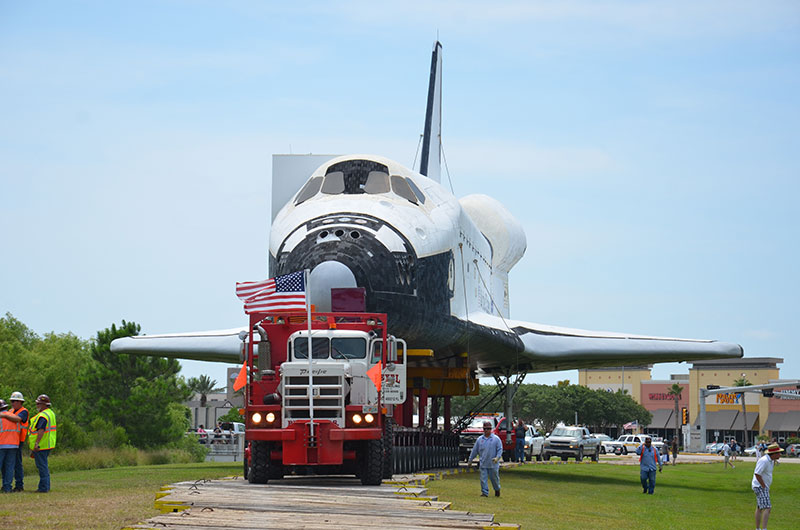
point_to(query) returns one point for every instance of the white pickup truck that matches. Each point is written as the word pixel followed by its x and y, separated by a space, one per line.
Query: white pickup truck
pixel 229 431
pixel 627 443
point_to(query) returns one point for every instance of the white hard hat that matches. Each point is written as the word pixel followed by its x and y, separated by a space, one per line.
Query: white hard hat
pixel 16 396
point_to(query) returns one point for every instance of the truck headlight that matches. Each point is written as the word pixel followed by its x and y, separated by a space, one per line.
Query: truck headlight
pixel 256 417
pixel 356 418
pixel 369 418
pixel 270 417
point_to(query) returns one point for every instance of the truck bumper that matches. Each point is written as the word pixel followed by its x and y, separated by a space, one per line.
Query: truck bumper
pixel 298 447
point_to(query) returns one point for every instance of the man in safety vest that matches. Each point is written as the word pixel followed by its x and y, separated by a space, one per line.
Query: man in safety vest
pixel 20 416
pixel 9 445
pixel 649 459
pixel 42 439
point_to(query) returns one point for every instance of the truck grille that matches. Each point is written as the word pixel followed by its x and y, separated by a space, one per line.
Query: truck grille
pixel 328 398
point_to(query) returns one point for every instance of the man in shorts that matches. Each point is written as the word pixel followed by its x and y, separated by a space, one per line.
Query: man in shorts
pixel 762 479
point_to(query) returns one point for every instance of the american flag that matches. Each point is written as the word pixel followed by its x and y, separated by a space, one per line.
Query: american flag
pixel 281 293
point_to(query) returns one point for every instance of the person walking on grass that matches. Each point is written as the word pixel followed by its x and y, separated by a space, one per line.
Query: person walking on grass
pixel 762 480
pixel 674 450
pixel 726 454
pixel 9 445
pixel 519 432
pixel 488 448
pixel 42 439
pixel 649 461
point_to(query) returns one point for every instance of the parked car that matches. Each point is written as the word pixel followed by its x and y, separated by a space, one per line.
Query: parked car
pixel 229 431
pixel 793 450
pixel 714 447
pixel 571 441
pixel 750 451
pixel 534 442
pixel 628 443
pixel 604 438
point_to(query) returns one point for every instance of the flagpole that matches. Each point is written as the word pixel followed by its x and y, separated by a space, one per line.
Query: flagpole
pixel 310 354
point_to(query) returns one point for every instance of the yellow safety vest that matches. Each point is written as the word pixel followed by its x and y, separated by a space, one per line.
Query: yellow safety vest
pixel 49 438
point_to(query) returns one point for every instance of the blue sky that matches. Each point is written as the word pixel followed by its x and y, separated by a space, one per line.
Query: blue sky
pixel 650 150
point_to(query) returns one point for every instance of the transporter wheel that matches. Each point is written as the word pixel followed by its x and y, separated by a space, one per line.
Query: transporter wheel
pixel 259 462
pixel 371 457
pixel 246 468
pixel 388 448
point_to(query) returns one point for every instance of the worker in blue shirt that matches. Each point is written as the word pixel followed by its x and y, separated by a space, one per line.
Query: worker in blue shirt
pixel 649 460
pixel 488 448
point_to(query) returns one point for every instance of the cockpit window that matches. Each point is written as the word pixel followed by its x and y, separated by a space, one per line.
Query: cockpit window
pixel 309 190
pixel 334 183
pixel 416 190
pixel 377 182
pixel 400 186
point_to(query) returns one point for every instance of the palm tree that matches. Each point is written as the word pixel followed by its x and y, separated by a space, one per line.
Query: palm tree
pixel 204 386
pixel 742 381
pixel 675 391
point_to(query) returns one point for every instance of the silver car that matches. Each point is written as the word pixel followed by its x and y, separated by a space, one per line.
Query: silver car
pixel 533 444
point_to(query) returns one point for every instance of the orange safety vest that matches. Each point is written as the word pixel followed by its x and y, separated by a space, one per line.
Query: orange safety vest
pixel 9 432
pixel 24 424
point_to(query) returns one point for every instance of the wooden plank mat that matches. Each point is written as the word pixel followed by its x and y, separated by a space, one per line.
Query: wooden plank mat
pixel 308 503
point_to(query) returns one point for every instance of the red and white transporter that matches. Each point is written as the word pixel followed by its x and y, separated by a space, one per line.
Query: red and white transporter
pixel 327 414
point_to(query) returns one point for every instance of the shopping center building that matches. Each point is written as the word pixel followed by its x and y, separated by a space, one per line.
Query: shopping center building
pixel 777 416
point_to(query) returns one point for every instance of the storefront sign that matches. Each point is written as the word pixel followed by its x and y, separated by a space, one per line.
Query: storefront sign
pixel 731 398
pixel 660 396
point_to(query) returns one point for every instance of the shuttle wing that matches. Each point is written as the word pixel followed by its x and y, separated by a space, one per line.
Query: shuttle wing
pixel 224 346
pixel 545 348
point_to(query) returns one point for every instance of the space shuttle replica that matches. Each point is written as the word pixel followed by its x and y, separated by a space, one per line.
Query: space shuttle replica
pixel 438 267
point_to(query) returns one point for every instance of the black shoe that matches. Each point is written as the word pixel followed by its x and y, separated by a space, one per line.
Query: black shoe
pixel 15 490
pixel 644 490
pixel 496 493
pixel 484 495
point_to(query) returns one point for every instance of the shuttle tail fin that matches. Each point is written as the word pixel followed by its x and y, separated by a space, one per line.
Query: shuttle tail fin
pixel 430 161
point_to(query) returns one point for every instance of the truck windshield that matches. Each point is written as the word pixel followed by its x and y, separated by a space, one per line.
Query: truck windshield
pixel 348 348
pixel 319 347
pixel 563 431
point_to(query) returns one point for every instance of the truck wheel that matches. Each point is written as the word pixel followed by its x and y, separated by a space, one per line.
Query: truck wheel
pixel 246 468
pixel 371 463
pixel 546 456
pixel 539 457
pixel 596 456
pixel 602 450
pixel 579 455
pixel 259 462
pixel 529 456
pixel 563 458
pixel 388 448
pixel 624 450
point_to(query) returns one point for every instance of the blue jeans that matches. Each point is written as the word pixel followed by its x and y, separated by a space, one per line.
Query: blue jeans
pixel 648 476
pixel 492 473
pixel 519 453
pixel 8 457
pixel 44 472
pixel 19 474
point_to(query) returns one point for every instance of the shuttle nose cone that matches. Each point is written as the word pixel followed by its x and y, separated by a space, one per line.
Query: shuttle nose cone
pixel 326 276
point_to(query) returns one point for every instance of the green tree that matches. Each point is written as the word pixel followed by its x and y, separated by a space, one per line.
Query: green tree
pixel 204 386
pixel 675 391
pixel 139 393
pixel 742 381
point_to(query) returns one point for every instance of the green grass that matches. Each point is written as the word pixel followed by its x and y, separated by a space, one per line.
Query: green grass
pixel 610 496
pixel 100 498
